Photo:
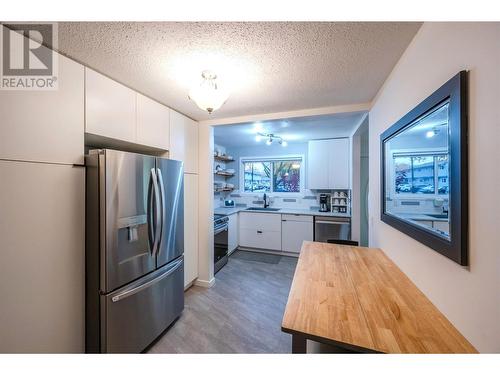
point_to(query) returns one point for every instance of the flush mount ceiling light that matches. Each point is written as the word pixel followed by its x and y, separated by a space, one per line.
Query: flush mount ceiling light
pixel 270 138
pixel 432 133
pixel 208 94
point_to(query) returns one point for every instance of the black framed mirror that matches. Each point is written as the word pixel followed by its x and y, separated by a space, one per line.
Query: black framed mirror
pixel 424 171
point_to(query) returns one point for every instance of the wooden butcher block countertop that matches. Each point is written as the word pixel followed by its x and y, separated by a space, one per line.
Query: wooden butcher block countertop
pixel 357 298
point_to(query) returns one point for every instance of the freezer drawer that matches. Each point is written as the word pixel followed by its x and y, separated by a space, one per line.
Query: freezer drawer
pixel 137 314
pixel 331 228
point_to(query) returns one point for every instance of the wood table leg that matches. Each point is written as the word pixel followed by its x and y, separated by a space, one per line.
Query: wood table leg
pixel 299 344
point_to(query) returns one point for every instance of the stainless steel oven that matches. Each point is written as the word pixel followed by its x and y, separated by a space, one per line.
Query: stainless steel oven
pixel 220 242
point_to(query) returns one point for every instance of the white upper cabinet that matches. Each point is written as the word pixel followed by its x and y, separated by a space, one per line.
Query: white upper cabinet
pixel 117 112
pixel 45 126
pixel 184 141
pixel 110 108
pixel 317 171
pixel 339 163
pixel 153 123
pixel 328 164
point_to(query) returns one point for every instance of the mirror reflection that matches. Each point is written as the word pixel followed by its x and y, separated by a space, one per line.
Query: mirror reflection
pixel 417 181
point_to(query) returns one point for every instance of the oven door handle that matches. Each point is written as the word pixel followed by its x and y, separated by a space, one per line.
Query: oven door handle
pixel 220 229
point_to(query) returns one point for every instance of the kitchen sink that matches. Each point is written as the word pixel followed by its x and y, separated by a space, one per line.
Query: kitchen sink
pixel 438 216
pixel 262 209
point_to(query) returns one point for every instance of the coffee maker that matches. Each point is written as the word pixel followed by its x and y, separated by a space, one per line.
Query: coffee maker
pixel 323 203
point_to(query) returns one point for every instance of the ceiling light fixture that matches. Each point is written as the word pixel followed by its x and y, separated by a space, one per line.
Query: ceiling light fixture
pixel 431 133
pixel 270 139
pixel 208 94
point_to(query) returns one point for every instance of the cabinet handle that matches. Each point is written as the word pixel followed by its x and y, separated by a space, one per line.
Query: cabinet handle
pixel 259 231
pixel 283 220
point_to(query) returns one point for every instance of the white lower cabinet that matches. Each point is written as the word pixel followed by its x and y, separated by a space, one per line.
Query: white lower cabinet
pixel 441 225
pixel 42 258
pixel 232 235
pixel 260 239
pixel 190 228
pixel 262 231
pixel 295 229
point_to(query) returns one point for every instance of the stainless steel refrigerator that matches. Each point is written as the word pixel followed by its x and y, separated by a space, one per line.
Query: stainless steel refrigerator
pixel 134 249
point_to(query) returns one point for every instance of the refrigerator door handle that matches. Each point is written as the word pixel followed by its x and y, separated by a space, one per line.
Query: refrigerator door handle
pixel 157 227
pixel 127 293
pixel 163 209
pixel 149 215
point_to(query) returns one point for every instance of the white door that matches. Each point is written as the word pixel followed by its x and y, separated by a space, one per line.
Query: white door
pixel 110 108
pixel 318 171
pixel 294 233
pixel 153 123
pixel 338 163
pixel 190 228
pixel 232 233
pixel 45 126
pixel 184 141
pixel 42 258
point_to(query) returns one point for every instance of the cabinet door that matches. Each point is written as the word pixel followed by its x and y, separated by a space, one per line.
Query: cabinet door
pixel 153 123
pixel 260 239
pixel 262 231
pixel 110 108
pixel 184 141
pixel 317 171
pixel 338 164
pixel 42 262
pixel 294 233
pixel 45 126
pixel 232 233
pixel 190 228
pixel 260 221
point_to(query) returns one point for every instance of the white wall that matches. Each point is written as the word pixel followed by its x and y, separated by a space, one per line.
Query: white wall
pixel 356 180
pixel 469 297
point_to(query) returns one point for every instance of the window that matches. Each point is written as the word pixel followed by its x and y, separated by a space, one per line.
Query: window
pixel 420 174
pixel 257 176
pixel 277 176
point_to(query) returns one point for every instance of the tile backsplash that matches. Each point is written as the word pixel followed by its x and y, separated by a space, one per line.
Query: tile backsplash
pixel 308 200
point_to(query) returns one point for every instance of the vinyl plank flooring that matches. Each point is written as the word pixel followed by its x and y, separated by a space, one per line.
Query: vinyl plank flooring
pixel 241 313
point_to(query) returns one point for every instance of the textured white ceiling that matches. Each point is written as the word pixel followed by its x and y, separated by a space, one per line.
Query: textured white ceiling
pixel 269 66
pixel 293 130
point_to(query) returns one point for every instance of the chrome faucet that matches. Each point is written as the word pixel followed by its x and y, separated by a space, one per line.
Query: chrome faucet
pixel 266 202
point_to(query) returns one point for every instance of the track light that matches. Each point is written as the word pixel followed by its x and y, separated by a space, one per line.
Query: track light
pixel 270 138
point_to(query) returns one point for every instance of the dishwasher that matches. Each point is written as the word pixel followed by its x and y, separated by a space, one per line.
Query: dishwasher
pixel 331 228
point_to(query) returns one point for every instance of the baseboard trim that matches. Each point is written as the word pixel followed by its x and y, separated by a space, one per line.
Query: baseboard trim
pixel 205 283
pixel 265 251
pixel 189 285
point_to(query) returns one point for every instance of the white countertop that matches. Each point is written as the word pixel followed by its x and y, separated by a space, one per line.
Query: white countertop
pixel 291 211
